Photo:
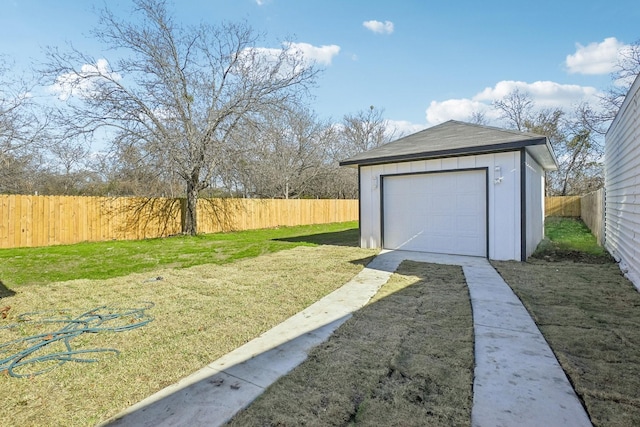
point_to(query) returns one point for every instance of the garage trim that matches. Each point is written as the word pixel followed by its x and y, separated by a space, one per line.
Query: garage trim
pixel 523 205
pixel 486 177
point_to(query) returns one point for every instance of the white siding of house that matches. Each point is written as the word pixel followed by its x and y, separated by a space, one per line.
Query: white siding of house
pixel 535 204
pixel 503 198
pixel 622 186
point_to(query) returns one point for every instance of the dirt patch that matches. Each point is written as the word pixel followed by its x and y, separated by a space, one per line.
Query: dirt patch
pixel 406 359
pixel 590 315
pixel 560 255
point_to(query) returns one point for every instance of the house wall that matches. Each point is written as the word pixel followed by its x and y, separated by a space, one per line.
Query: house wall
pixel 504 198
pixel 622 186
pixel 535 204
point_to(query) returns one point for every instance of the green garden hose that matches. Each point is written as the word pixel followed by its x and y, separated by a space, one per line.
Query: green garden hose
pixel 51 347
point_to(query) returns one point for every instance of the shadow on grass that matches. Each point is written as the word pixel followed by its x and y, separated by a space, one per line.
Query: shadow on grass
pixel 337 238
pixel 4 291
pixel 363 261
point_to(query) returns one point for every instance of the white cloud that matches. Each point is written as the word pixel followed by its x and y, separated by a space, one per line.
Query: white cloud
pixel 595 58
pixel 399 128
pixel 321 54
pixel 394 129
pixel 81 84
pixel 457 109
pixel 545 94
pixel 309 54
pixel 385 27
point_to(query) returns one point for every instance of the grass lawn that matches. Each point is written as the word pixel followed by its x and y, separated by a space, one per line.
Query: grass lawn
pixel 569 238
pixel 103 260
pixel 202 310
pixel 590 315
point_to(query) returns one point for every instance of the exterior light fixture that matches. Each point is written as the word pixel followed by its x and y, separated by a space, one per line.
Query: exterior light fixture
pixel 497 175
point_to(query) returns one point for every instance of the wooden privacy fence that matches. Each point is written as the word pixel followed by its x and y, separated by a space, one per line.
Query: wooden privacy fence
pixel 592 213
pixel 28 221
pixel 562 206
pixel 590 208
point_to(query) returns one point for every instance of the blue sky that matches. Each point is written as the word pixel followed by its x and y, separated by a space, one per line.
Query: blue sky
pixel 423 62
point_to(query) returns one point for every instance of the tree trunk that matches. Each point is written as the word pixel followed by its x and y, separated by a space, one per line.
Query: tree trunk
pixel 190 224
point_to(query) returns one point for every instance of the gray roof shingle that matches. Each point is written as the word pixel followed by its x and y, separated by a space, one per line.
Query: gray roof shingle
pixel 454 138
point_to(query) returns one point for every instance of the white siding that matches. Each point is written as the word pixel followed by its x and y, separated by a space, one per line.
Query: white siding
pixel 535 204
pixel 622 186
pixel 503 198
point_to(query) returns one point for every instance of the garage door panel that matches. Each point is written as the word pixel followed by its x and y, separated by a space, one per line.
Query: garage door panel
pixel 469 202
pixel 468 224
pixel 441 244
pixel 439 182
pixel 440 224
pixel 436 212
pixel 473 243
pixel 446 203
pixel 468 181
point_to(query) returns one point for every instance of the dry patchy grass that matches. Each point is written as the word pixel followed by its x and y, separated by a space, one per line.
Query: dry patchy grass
pixel 406 359
pixel 590 315
pixel 200 314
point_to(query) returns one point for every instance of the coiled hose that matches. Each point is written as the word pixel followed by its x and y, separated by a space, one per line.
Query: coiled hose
pixel 53 347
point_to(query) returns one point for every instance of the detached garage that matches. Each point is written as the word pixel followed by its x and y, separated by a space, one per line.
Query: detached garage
pixel 455 188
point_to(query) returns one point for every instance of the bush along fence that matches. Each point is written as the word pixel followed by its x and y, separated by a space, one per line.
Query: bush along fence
pixel 29 221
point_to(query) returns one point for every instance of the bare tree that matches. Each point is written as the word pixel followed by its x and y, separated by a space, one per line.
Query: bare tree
pixel 577 149
pixel 286 156
pixel 478 118
pixel 176 94
pixel 21 132
pixel 357 133
pixel 576 145
pixel 515 108
pixel 364 130
pixel 626 70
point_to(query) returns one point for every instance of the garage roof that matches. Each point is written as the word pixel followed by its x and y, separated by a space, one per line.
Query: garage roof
pixel 454 138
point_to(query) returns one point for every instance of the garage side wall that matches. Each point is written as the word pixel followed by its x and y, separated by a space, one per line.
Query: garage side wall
pixel 534 193
pixel 503 198
pixel 622 186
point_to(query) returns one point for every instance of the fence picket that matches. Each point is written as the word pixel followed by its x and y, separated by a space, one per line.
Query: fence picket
pixel 562 206
pixel 27 221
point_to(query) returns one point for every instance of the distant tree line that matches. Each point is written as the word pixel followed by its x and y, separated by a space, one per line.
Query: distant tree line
pixel 200 111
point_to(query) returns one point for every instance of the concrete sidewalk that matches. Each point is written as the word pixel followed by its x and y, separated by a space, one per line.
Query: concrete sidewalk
pixel 517 381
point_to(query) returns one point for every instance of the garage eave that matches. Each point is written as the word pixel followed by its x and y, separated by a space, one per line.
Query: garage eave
pixel 544 155
pixel 537 148
pixel 453 139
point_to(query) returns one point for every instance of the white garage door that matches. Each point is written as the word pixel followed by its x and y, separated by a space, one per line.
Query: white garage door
pixel 441 212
